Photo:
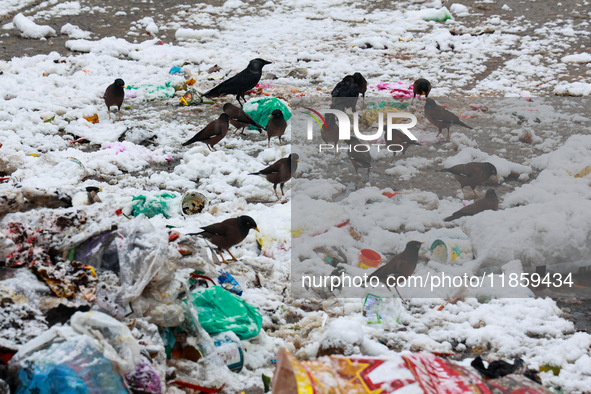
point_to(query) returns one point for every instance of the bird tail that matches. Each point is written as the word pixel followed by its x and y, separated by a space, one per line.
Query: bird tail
pixel 254 173
pixel 449 218
pixel 215 92
pixel 194 139
pixel 460 123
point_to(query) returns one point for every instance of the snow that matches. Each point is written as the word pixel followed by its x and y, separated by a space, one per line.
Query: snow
pixel 577 58
pixel 30 29
pixel 573 89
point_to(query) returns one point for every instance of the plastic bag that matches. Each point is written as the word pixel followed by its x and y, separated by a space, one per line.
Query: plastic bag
pixel 143 252
pixel 71 367
pixel 144 379
pixel 220 311
pixel 114 338
pixel 152 206
pixel 259 109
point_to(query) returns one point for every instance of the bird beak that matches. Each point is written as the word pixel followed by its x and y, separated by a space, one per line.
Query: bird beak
pixel 257 229
pixel 266 62
pixel 270 116
pixel 123 86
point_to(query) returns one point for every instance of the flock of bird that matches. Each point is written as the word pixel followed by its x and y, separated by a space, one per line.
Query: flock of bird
pixel 344 96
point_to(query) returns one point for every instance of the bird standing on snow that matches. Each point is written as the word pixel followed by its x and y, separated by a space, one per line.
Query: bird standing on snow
pixel 240 83
pixel 228 233
pixel 441 118
pixel 403 264
pixel 114 95
pixel 239 118
pixel 280 171
pixel 472 174
pixel 345 94
pixel 421 87
pixel 330 131
pixel 362 85
pixel 399 138
pixel 213 133
pixel 360 159
pixel 276 126
pixel 489 201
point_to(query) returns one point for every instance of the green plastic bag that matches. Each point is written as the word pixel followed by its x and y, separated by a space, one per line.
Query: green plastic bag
pixel 259 109
pixel 152 206
pixel 221 311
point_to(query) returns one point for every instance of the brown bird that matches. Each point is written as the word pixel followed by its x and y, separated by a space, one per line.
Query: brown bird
pixel 420 87
pixel 403 264
pixel 114 95
pixel 239 118
pixel 399 138
pixel 489 201
pixel 441 118
pixel 360 158
pixel 213 133
pixel 472 174
pixel 362 85
pixel 330 135
pixel 228 233
pixel 276 126
pixel 280 171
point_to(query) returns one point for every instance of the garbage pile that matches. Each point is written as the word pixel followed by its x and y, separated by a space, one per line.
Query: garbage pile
pixel 93 303
pixel 90 303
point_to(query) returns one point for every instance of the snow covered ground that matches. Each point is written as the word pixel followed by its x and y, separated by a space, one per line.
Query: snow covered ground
pixel 487 50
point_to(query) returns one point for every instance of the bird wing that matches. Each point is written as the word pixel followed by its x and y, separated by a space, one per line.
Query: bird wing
pixel 240 82
pixel 363 158
pixel 214 229
pixel 460 169
pixel 272 169
pixel 472 209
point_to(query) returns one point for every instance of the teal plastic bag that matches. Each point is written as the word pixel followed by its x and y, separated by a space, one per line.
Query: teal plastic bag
pixel 152 206
pixel 259 109
pixel 221 311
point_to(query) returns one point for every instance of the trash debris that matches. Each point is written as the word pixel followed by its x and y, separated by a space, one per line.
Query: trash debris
pixel 73 366
pixel 259 109
pixel 220 311
pixel 192 202
pixel 92 119
pixel 144 379
pixel 369 259
pixel 152 205
pixel 451 250
pixel 377 309
pixel 152 91
pixel 228 282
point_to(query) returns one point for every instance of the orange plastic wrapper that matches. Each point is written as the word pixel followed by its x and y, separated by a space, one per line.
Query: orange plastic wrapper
pixel 92 119
pixel 417 372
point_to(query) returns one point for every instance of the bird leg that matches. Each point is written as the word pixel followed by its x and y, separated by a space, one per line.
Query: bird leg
pixel 233 258
pixel 222 256
pixel 438 133
pixel 448 133
pixel 109 112
pixel 118 110
pixel 282 193
pixel 280 141
pixel 475 194
pixel 275 190
pixel 393 156
pixel 269 142
pixel 464 194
